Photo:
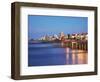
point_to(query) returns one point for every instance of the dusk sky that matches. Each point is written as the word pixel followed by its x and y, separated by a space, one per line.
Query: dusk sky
pixel 39 26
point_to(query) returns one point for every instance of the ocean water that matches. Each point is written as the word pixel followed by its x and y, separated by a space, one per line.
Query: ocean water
pixel 45 54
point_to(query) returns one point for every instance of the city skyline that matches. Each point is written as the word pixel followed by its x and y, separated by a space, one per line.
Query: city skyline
pixel 39 26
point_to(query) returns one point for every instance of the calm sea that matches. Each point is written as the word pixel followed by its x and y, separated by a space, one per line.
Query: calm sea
pixel 44 54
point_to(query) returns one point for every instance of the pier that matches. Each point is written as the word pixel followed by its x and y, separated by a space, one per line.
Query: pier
pixel 75 44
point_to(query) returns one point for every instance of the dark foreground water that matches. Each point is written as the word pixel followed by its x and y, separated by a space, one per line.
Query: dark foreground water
pixel 43 54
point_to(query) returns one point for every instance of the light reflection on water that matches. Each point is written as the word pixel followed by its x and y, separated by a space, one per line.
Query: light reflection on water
pixel 76 56
pixel 47 54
